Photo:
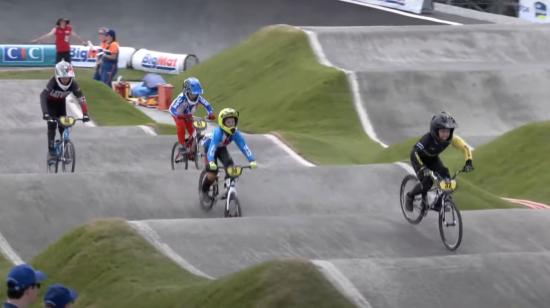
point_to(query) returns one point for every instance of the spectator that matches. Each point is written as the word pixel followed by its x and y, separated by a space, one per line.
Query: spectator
pixel 59 296
pixel 62 32
pixel 22 283
pixel 99 52
pixel 109 60
pixel 149 85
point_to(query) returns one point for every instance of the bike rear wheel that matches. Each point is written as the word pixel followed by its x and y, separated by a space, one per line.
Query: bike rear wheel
pixel 418 211
pixel 178 160
pixel 450 225
pixel 207 203
pixel 233 206
pixel 68 159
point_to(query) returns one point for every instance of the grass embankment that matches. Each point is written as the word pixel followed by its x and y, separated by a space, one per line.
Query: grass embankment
pixel 111 266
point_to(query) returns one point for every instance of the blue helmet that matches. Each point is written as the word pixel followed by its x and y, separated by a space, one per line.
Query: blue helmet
pixel 192 89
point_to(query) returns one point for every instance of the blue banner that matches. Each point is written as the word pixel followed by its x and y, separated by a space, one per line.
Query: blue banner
pixel 27 55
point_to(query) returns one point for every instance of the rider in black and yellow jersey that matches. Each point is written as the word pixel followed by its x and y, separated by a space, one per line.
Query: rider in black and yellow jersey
pixel 425 154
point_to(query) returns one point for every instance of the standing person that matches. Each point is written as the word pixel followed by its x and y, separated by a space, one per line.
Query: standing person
pixel 62 32
pixel 183 108
pixel 22 283
pixel 101 32
pixel 109 60
pixel 53 98
pixel 59 296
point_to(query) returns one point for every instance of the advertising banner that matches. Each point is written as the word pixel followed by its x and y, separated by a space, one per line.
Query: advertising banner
pixel 27 55
pixel 85 56
pixel 414 6
pixel 534 10
pixel 158 62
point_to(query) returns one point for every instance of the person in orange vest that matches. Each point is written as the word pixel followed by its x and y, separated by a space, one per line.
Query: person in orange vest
pixel 97 52
pixel 62 32
pixel 109 60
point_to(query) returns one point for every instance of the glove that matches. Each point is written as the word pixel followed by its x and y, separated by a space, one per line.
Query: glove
pixel 46 117
pixel 211 117
pixel 468 167
pixel 253 165
pixel 425 172
pixel 85 118
pixel 212 166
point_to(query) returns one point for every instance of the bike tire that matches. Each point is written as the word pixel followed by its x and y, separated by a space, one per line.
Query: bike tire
pixel 207 206
pixel 68 161
pixel 174 156
pixel 197 154
pixel 455 213
pixel 232 206
pixel 51 167
pixel 416 216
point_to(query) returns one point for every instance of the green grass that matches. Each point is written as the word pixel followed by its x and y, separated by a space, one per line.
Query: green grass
pixel 516 164
pixel 275 81
pixel 111 266
pixel 82 73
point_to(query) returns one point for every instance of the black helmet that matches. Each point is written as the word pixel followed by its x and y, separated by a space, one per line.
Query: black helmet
pixel 442 120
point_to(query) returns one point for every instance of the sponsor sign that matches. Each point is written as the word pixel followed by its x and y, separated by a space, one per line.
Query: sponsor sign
pixel 158 62
pixel 85 56
pixel 414 6
pixel 27 55
pixel 534 10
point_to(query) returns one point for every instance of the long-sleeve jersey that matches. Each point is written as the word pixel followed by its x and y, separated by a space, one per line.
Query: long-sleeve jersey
pixel 53 93
pixel 221 139
pixel 427 148
pixel 181 106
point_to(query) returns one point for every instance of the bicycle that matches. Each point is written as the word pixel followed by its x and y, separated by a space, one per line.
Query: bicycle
pixel 439 198
pixel 64 147
pixel 232 204
pixel 180 156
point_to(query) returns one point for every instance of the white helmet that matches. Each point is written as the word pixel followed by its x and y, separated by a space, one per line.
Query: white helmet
pixel 64 70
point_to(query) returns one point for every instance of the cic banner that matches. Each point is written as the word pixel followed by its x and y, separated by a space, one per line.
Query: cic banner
pixel 27 55
pixel 534 10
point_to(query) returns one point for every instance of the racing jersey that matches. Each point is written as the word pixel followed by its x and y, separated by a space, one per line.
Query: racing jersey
pixel 428 148
pixel 53 93
pixel 219 138
pixel 181 106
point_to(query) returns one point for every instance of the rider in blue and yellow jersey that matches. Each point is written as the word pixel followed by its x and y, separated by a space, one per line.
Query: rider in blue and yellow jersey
pixel 216 146
pixel 425 154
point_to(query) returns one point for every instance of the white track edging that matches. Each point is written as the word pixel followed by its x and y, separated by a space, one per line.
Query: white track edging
pixel 398 12
pixel 148 130
pixel 341 283
pixel 152 237
pixel 8 252
pixel 288 150
pixel 352 81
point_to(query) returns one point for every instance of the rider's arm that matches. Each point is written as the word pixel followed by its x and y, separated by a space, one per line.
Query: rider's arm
pixel 239 140
pixel 175 104
pixel 80 96
pixel 459 143
pixel 44 95
pixel 206 105
pixel 419 149
pixel 51 33
pixel 216 139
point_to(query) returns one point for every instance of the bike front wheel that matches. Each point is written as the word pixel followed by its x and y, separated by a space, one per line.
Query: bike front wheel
pixel 450 225
pixel 233 206
pixel 416 215
pixel 68 158
pixel 178 159
pixel 208 199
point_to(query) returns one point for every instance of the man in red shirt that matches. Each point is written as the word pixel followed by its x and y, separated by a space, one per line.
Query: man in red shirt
pixel 62 32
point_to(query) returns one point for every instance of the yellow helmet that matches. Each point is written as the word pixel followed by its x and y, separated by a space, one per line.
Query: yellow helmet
pixel 228 113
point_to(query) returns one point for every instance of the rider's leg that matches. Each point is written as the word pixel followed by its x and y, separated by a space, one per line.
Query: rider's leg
pixel 190 132
pixel 180 130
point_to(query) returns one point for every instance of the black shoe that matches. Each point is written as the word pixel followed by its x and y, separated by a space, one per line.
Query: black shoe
pixel 409 203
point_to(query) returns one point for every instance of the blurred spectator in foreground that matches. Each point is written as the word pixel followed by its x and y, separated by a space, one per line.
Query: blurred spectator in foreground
pixel 22 283
pixel 59 296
